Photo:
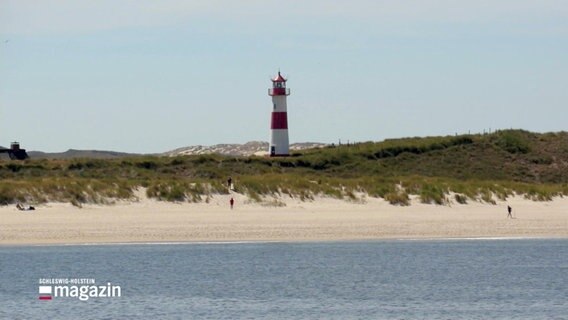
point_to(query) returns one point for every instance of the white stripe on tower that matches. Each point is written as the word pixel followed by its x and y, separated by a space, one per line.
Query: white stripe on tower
pixel 279 145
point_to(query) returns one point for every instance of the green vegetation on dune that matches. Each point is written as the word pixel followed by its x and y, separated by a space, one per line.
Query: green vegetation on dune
pixel 437 170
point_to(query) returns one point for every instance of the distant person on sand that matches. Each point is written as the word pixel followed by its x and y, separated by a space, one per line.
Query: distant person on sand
pixel 510 210
pixel 230 184
pixel 232 202
pixel 23 208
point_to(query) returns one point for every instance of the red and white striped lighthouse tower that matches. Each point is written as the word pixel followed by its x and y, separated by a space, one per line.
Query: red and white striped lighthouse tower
pixel 279 124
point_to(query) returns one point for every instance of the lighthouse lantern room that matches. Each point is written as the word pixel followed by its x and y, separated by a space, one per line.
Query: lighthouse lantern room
pixel 279 145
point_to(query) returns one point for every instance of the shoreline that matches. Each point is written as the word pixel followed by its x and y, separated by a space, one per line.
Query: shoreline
pixel 323 220
pixel 204 243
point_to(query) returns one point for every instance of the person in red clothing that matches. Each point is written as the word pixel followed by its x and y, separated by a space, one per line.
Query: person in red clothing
pixel 232 202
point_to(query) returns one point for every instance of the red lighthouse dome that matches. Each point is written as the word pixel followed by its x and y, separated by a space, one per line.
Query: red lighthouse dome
pixel 278 86
pixel 279 78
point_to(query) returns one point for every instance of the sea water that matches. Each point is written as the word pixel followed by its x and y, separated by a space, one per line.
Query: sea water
pixel 438 279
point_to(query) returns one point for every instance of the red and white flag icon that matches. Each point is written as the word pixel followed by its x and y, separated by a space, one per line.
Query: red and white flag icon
pixel 44 292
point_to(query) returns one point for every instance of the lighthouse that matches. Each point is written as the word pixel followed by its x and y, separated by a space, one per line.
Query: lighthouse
pixel 279 123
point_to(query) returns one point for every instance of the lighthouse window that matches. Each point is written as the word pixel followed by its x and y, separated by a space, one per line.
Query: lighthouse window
pixel 278 84
pixel 274 105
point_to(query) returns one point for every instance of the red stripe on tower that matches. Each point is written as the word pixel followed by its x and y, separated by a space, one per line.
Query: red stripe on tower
pixel 279 120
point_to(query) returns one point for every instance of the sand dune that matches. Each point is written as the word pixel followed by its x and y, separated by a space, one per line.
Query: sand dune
pixel 322 219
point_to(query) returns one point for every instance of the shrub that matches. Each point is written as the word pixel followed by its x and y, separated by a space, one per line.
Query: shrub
pixel 398 198
pixel 147 164
pixel 381 190
pixel 14 167
pixel 460 198
pixel 513 141
pixel 9 194
pixel 487 196
pixel 168 191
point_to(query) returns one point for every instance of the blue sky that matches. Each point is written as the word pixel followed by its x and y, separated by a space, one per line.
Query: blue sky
pixel 151 76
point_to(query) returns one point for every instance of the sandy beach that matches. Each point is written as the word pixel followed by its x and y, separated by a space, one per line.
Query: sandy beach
pixel 322 219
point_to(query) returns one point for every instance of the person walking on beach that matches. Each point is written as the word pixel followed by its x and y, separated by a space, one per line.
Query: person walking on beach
pixel 232 202
pixel 510 210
